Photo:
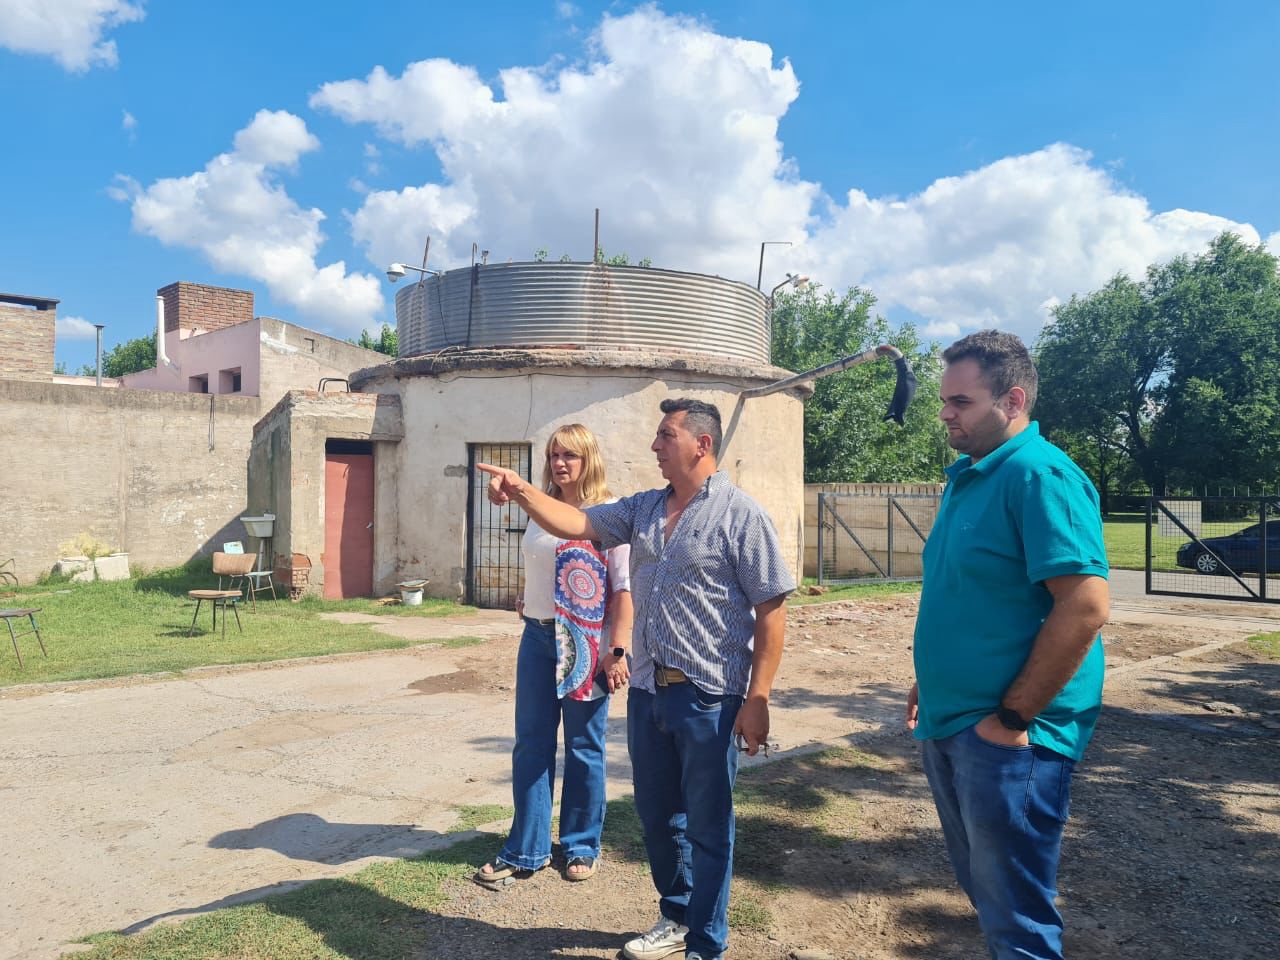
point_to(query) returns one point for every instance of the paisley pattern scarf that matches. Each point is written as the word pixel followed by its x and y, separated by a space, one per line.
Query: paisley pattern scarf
pixel 582 596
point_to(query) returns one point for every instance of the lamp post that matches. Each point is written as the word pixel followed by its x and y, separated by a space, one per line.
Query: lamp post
pixel 766 243
pixel 98 328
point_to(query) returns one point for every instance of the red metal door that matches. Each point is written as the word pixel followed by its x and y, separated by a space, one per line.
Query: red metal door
pixel 348 525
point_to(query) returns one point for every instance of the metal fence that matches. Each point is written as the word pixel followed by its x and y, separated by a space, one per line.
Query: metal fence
pixel 1220 548
pixel 873 537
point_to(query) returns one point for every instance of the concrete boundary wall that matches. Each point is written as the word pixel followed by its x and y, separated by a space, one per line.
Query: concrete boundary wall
pixel 159 475
pixel 869 518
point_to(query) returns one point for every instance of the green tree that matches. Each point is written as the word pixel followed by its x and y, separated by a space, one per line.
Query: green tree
pixel 1101 360
pixel 845 438
pixel 1174 379
pixel 128 357
pixel 387 341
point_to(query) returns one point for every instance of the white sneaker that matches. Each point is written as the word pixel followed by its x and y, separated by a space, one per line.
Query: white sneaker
pixel 665 938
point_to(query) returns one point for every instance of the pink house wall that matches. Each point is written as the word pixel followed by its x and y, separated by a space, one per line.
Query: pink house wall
pixel 206 354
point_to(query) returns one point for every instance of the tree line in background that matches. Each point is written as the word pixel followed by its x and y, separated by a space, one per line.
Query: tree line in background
pixel 845 437
pixel 128 357
pixel 1172 381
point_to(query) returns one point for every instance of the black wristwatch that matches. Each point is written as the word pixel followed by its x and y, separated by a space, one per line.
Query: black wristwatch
pixel 619 651
pixel 1011 719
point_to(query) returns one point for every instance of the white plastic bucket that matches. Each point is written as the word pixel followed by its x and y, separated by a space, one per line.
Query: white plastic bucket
pixel 411 592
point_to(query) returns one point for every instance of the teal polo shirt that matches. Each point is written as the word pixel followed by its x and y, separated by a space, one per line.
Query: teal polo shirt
pixel 1020 515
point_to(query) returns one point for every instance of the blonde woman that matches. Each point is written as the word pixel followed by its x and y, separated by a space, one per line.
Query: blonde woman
pixel 577 614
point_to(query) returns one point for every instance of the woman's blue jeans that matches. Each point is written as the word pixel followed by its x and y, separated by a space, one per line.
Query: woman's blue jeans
pixel 533 760
pixel 684 763
pixel 1002 811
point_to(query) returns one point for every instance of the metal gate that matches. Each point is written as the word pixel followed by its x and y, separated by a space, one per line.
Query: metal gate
pixel 495 570
pixel 873 537
pixel 1219 548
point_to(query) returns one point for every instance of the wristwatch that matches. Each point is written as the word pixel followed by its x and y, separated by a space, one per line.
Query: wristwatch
pixel 1011 719
pixel 619 651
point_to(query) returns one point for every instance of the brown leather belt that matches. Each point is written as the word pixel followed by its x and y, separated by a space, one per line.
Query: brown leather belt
pixel 666 676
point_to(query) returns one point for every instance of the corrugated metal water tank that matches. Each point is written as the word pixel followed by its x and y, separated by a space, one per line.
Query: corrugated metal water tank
pixel 582 304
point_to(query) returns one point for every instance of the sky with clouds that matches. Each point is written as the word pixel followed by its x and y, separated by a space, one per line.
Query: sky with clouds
pixel 970 167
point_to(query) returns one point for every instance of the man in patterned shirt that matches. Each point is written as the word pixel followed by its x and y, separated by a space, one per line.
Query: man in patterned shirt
pixel 708 581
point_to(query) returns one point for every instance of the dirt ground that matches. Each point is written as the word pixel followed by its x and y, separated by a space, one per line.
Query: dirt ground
pixel 1172 849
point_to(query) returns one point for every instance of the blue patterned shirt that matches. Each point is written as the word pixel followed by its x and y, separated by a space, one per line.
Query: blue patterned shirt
pixel 695 594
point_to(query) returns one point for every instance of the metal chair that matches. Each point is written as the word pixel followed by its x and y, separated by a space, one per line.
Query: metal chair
pixel 17 613
pixel 254 578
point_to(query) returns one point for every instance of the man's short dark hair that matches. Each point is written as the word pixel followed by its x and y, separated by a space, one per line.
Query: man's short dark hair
pixel 699 418
pixel 1002 358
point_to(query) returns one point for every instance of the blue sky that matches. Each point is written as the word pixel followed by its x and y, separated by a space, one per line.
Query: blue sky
pixel 972 164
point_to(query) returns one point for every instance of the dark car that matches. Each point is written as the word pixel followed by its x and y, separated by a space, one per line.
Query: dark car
pixel 1241 551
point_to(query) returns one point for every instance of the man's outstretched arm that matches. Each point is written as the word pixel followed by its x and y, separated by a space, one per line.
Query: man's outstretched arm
pixel 552 515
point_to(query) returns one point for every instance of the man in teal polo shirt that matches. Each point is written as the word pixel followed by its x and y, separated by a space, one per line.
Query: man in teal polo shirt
pixel 1008 656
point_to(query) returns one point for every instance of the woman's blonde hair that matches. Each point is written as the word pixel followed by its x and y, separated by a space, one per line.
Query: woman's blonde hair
pixel 576 438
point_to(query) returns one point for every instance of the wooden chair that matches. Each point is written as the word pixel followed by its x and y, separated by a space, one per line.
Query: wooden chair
pixel 236 567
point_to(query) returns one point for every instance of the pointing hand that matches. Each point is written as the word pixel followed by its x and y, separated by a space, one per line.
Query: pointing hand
pixel 504 484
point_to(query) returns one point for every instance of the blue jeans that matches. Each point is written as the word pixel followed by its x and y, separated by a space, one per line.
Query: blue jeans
pixel 533 760
pixel 684 763
pixel 1002 811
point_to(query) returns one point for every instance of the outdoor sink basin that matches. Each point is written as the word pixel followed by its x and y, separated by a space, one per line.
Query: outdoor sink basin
pixel 259 527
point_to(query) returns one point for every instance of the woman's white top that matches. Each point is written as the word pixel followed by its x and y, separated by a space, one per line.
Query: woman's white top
pixel 539 549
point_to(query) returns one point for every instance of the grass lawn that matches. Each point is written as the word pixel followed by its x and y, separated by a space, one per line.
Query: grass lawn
pixel 854 591
pixel 794 808
pixel 1266 643
pixel 139 626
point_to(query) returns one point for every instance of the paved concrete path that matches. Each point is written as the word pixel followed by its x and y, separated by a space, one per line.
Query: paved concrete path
pixel 126 802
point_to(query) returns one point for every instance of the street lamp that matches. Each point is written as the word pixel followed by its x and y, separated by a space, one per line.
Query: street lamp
pixel 800 281
pixel 760 271
pixel 397 270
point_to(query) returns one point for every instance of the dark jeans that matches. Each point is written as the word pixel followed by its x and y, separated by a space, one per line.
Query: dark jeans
pixel 1002 811
pixel 684 764
pixel 533 760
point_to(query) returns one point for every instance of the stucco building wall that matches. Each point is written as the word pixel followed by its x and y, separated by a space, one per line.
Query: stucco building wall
pixel 159 475
pixel 272 356
pixel 287 472
pixel 522 396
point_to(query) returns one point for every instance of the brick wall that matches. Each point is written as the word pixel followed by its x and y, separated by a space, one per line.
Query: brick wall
pixel 26 342
pixel 198 306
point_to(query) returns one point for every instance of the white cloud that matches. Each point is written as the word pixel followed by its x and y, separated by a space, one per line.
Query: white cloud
pixel 672 130
pixel 237 214
pixel 1000 245
pixel 74 328
pixel 1273 243
pixel 129 124
pixel 70 31
pixel 566 10
pixel 123 188
pixel 371 164
pixel 275 138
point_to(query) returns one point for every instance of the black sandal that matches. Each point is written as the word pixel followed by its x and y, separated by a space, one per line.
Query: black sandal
pixel 501 875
